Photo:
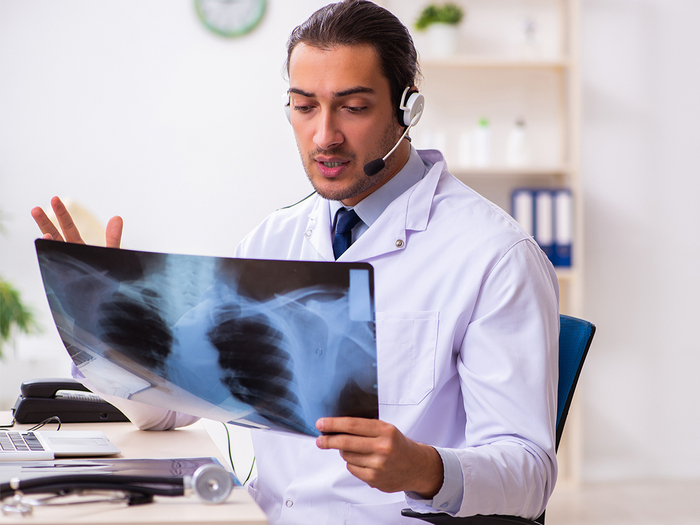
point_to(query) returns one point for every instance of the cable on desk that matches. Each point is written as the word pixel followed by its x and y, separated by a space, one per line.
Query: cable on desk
pixel 52 419
pixel 230 455
pixel 250 472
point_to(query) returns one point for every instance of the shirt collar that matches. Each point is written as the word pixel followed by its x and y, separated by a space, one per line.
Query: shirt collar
pixel 371 207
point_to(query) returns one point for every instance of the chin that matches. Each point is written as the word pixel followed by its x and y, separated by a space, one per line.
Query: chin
pixel 351 185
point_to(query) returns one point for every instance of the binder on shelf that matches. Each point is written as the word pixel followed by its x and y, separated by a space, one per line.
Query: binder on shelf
pixel 544 222
pixel 546 214
pixel 563 229
pixel 523 209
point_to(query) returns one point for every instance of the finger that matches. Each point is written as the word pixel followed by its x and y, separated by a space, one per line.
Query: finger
pixel 65 221
pixel 361 459
pixel 113 234
pixel 368 475
pixel 47 227
pixel 375 479
pixel 350 425
pixel 346 442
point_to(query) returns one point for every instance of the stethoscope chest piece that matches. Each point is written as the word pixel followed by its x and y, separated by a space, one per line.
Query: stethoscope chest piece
pixel 211 483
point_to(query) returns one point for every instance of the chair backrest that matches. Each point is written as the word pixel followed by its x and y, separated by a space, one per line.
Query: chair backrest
pixel 575 336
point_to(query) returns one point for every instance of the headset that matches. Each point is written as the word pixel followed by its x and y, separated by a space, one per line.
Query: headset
pixel 409 112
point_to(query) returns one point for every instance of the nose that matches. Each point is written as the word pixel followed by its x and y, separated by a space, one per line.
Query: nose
pixel 327 134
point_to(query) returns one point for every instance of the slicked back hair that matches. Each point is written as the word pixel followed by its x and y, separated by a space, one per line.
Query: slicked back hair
pixel 356 22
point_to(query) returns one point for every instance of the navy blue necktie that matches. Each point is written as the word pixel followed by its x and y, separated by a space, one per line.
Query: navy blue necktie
pixel 345 221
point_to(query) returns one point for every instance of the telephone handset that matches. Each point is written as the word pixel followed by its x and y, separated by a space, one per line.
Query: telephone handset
pixel 66 398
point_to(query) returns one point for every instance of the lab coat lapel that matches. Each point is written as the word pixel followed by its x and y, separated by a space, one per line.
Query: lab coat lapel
pixel 408 212
pixel 317 236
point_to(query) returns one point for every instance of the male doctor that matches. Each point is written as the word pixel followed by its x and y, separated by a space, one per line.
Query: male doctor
pixel 467 304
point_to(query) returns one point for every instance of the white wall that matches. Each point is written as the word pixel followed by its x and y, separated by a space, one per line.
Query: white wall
pixel 641 176
pixel 131 107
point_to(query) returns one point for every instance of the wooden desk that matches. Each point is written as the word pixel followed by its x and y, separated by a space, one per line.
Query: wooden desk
pixel 192 441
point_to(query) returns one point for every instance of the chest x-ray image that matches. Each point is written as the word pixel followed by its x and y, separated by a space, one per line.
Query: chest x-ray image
pixel 259 343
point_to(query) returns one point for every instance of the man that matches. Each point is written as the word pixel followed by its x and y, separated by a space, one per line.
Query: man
pixel 467 313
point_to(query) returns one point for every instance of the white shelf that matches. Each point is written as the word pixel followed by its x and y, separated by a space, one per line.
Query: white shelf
pixel 477 62
pixel 472 172
pixel 566 274
pixel 491 79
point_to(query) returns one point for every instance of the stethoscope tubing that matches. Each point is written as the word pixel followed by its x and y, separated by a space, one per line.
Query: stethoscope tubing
pixel 147 485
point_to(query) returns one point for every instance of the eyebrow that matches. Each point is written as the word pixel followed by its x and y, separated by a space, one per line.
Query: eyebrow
pixel 337 94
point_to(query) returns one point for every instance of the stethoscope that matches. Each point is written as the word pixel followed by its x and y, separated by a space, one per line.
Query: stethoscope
pixel 212 483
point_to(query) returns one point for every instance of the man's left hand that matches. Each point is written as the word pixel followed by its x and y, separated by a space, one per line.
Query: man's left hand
pixel 381 456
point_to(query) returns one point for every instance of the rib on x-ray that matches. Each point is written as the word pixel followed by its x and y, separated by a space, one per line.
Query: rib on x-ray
pixel 264 344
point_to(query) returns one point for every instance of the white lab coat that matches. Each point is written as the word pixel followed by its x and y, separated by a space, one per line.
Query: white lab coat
pixel 467 330
pixel 467 337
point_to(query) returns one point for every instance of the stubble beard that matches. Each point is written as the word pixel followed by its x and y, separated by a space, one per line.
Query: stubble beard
pixel 360 181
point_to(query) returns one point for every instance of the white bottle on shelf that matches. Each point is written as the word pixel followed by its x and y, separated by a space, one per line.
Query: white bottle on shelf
pixel 517 152
pixel 530 49
pixel 482 143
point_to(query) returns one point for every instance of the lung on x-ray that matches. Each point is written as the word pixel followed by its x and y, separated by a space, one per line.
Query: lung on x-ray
pixel 259 343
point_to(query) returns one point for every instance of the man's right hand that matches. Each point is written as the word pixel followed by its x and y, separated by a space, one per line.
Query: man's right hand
pixel 68 227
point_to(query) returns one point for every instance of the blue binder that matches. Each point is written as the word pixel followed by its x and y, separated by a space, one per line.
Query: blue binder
pixel 546 214
pixel 563 228
pixel 544 221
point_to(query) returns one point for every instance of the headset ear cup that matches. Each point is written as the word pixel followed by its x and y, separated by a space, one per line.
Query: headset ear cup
pixel 412 108
pixel 288 107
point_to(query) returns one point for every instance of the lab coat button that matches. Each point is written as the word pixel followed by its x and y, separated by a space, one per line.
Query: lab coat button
pixel 289 503
pixel 399 243
pixel 308 232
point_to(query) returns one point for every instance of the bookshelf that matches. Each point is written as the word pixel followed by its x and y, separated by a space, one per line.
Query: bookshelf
pixel 515 59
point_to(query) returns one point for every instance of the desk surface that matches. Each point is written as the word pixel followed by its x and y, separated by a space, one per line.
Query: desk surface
pixel 192 441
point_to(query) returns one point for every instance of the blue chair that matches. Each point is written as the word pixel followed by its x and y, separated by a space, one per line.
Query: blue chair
pixel 575 336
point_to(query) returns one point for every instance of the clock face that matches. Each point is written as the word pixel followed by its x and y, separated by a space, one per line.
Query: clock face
pixel 230 17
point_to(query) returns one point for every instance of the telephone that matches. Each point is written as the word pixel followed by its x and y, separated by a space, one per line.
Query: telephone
pixel 66 398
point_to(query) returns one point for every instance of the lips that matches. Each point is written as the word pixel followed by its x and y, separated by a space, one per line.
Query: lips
pixel 330 166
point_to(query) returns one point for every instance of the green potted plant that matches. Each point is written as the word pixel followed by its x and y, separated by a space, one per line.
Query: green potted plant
pixel 441 21
pixel 14 314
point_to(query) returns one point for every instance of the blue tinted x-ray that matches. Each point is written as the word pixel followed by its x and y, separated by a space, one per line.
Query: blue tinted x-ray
pixel 264 344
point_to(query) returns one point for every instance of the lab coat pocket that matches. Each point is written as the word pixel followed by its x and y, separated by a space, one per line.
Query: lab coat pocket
pixel 406 343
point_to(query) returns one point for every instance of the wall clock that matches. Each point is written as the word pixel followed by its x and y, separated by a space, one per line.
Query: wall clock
pixel 230 18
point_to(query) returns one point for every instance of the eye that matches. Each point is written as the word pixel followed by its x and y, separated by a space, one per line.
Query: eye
pixel 302 109
pixel 356 109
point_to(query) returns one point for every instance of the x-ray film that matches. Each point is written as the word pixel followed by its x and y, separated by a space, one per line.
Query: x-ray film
pixel 259 343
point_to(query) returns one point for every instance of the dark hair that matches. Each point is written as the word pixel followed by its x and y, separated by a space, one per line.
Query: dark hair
pixel 354 22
